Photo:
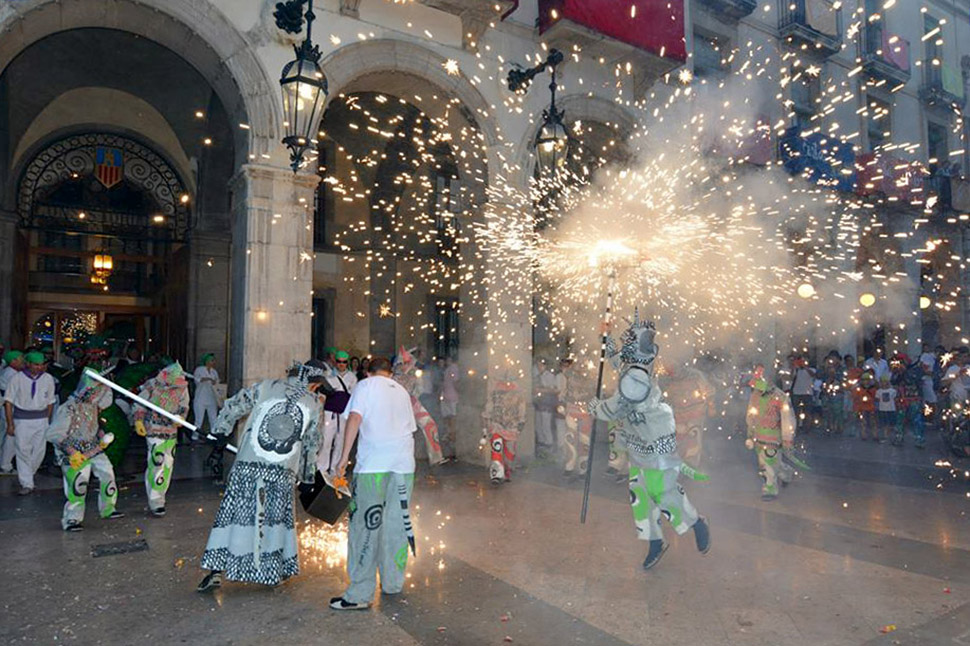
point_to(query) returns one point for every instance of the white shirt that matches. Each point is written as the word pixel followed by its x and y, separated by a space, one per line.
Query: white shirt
pixel 5 376
pixel 386 433
pixel 886 400
pixel 20 387
pixel 803 382
pixel 349 379
pixel 879 367
pixel 928 358
pixel 204 390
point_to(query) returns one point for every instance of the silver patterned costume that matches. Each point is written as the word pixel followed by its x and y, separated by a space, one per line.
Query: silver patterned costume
pixel 648 435
pixel 253 538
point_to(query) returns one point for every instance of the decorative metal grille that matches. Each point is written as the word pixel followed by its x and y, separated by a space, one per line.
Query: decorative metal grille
pixel 74 156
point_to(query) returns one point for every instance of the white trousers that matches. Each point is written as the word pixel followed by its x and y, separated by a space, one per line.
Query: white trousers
pixel 76 489
pixel 30 445
pixel 205 407
pixel 8 447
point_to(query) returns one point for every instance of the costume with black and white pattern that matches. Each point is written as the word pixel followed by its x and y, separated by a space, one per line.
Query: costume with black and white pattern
pixel 253 538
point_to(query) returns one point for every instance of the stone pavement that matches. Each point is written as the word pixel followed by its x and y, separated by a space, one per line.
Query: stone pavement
pixel 873 537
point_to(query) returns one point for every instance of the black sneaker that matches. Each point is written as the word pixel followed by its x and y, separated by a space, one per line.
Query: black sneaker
pixel 339 603
pixel 115 515
pixel 212 580
pixel 702 535
pixel 158 513
pixel 657 549
pixel 74 526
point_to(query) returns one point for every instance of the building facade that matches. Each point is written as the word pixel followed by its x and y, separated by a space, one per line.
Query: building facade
pixel 149 131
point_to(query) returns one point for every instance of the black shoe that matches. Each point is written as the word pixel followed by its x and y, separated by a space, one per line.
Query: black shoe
pixel 115 515
pixel 768 496
pixel 74 526
pixel 339 603
pixel 496 481
pixel 657 549
pixel 158 513
pixel 212 580
pixel 702 535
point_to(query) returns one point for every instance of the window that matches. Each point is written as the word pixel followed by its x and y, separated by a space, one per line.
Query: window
pixel 445 342
pixel 708 60
pixel 321 325
pixel 447 206
pixel 879 122
pixel 805 91
pixel 932 52
pixel 936 143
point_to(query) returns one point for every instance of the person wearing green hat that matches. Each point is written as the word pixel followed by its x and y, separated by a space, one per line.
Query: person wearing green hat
pixel 29 402
pixel 170 391
pixel 13 362
pixel 79 445
pixel 206 402
pixel 771 430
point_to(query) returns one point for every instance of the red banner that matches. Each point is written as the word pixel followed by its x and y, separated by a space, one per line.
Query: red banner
pixel 656 26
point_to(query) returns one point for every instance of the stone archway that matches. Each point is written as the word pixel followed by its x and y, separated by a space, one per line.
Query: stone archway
pixel 346 65
pixel 582 107
pixel 199 32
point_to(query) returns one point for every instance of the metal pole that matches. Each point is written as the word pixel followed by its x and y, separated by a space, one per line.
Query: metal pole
pixel 139 400
pixel 599 393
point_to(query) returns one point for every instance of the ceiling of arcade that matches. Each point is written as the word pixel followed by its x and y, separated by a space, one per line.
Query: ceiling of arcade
pixel 89 80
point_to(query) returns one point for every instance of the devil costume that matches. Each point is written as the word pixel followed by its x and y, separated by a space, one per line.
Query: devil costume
pixel 169 390
pixel 253 538
pixel 771 430
pixel 649 436
pixel 404 374
pixel 79 446
pixel 504 416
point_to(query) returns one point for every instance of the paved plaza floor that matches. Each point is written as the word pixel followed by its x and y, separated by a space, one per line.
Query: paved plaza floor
pixel 870 547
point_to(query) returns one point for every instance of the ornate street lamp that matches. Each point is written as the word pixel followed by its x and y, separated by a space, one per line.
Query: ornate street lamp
pixel 303 83
pixel 552 141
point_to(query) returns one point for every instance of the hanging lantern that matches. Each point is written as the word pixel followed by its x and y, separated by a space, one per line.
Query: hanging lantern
pixel 552 142
pixel 103 266
pixel 924 302
pixel 867 299
pixel 806 290
pixel 304 88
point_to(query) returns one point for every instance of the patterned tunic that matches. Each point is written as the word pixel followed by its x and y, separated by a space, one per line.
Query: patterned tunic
pixel 253 537
pixel 74 427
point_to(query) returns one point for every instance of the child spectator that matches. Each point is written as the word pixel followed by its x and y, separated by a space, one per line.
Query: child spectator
pixel 864 405
pixel 886 404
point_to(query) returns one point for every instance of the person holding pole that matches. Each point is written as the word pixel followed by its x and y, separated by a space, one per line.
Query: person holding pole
pixel 650 438
pixel 168 390
pixel 79 445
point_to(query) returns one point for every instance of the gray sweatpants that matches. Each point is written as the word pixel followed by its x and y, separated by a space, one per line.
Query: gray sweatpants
pixel 380 524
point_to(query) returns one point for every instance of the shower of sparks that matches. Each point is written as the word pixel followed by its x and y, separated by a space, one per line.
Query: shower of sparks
pixel 735 257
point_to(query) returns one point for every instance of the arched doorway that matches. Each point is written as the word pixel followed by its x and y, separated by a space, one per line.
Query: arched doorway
pixel 87 198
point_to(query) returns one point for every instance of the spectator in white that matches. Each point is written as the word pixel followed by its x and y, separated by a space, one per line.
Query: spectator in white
pixel 13 362
pixel 802 391
pixel 878 364
pixel 546 401
pixel 449 406
pixel 380 530
pixel 331 445
pixel 956 378
pixel 29 403
pixel 206 402
pixel 345 375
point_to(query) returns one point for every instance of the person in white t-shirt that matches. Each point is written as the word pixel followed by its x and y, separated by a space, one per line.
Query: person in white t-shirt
pixel 380 532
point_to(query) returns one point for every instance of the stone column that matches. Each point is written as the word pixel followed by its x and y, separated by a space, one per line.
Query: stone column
pixel 502 334
pixel 208 311
pixel 8 267
pixel 272 272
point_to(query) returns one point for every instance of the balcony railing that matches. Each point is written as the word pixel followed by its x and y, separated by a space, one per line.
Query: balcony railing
pixel 731 9
pixel 942 84
pixel 814 23
pixel 885 55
